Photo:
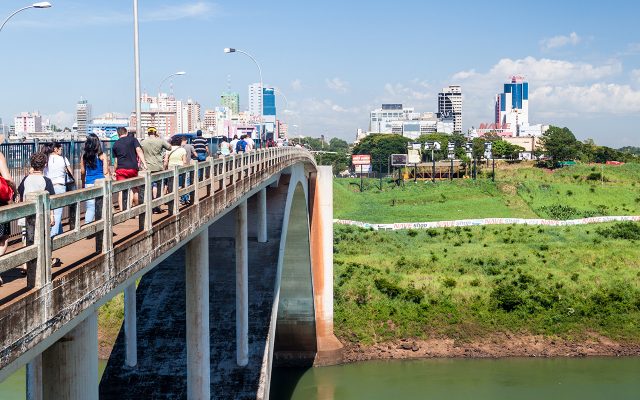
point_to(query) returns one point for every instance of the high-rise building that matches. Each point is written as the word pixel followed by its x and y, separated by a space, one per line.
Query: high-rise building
pixel 83 116
pixel 255 99
pixel 450 106
pixel 107 125
pixel 269 101
pixel 231 100
pixel 188 116
pixel 512 106
pixel 209 123
pixel 27 122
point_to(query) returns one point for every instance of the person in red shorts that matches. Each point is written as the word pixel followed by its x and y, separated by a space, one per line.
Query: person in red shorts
pixel 128 157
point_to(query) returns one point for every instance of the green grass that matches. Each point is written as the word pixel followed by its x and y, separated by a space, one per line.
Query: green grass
pixel 520 191
pixel 468 282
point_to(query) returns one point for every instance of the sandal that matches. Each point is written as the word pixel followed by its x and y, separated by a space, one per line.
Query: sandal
pixel 55 262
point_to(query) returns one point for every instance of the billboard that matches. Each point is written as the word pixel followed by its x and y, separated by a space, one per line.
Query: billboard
pixel 398 160
pixel 361 159
pixel 413 157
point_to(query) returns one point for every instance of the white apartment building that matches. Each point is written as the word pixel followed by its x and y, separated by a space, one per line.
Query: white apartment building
pixel 26 123
pixel 255 99
pixel 380 120
pixel 188 116
pixel 83 117
pixel 450 106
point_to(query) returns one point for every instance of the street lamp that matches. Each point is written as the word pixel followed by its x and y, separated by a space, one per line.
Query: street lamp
pixel 42 4
pixel 232 50
pixel 136 67
pixel 179 73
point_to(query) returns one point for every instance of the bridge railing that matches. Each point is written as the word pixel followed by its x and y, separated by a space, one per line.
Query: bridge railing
pixel 221 178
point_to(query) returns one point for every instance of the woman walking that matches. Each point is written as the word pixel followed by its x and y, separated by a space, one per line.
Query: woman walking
pixel 94 165
pixel 225 148
pixel 60 174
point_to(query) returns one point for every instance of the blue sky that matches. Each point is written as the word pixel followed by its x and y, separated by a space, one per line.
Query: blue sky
pixel 334 60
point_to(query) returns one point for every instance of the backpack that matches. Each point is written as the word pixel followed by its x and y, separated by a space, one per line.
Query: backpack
pixel 240 146
pixel 6 192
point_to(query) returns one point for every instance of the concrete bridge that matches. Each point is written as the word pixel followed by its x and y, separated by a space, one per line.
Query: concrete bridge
pixel 227 284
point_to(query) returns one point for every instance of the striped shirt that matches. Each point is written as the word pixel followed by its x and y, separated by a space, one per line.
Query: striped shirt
pixel 200 145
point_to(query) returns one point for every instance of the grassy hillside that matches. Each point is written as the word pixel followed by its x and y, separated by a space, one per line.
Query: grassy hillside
pixel 467 282
pixel 520 190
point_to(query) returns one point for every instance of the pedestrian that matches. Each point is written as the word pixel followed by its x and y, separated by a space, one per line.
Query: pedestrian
pixel 94 165
pixel 241 145
pixel 128 157
pixel 251 145
pixel 153 148
pixel 7 191
pixel 201 146
pixel 176 157
pixel 232 144
pixel 59 172
pixel 36 181
pixel 225 147
pixel 191 155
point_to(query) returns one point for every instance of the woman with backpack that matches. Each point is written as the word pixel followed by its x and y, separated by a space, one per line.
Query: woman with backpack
pixel 94 165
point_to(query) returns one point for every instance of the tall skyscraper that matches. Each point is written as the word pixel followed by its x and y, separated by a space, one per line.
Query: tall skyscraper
pixel 450 106
pixel 83 116
pixel 512 106
pixel 269 101
pixel 255 99
pixel 188 116
pixel 231 100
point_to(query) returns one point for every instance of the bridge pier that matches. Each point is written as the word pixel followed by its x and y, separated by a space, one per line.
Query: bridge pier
pixel 242 286
pixel 130 333
pixel 262 215
pixel 197 317
pixel 70 366
pixel 34 378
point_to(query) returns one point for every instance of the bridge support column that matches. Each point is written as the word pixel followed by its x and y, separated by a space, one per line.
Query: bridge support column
pixel 262 216
pixel 70 366
pixel 197 318
pixel 34 378
pixel 130 331
pixel 242 286
pixel 329 347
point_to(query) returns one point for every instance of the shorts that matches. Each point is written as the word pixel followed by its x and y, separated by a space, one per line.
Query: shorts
pixel 122 174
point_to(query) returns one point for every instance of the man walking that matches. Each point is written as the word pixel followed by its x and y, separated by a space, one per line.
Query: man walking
pixel 153 147
pixel 128 156
pixel 201 146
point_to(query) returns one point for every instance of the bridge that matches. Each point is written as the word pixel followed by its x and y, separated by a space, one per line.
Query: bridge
pixel 214 290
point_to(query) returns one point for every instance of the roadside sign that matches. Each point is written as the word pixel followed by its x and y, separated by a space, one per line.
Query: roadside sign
pixel 361 159
pixel 413 157
pixel 398 160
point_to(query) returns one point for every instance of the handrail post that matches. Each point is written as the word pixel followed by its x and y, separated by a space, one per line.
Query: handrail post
pixel 148 201
pixel 196 182
pixel 104 238
pixel 176 186
pixel 39 271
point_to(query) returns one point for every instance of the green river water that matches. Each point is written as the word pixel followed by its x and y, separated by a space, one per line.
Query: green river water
pixel 453 379
pixel 450 379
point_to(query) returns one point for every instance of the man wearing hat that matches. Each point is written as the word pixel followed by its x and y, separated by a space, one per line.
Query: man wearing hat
pixel 153 148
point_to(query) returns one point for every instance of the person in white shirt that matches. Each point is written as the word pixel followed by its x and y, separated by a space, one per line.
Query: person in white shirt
pixel 250 144
pixel 233 143
pixel 59 172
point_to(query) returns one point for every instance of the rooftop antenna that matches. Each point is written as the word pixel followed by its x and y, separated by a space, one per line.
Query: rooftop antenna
pixel 228 83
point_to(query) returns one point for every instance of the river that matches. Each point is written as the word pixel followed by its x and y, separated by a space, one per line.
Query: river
pixel 477 379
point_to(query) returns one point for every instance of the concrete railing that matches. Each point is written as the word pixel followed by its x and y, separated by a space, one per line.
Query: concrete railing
pixel 216 185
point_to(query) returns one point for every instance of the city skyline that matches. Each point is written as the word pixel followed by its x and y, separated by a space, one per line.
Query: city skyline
pixel 582 60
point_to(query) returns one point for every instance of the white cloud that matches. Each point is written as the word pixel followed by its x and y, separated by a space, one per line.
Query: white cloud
pixel 61 119
pixel 296 84
pixel 560 41
pixel 337 85
pixel 575 100
pixel 402 93
pixel 635 76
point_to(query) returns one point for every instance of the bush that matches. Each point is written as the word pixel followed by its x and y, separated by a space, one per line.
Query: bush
pixel 449 283
pixel 389 288
pixel 621 230
pixel 506 297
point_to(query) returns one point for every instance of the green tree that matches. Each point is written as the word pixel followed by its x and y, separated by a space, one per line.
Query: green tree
pixel 380 147
pixel 338 145
pixel 560 144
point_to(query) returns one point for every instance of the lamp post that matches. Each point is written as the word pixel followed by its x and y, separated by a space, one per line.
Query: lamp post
pixel 232 50
pixel 179 73
pixel 136 62
pixel 42 4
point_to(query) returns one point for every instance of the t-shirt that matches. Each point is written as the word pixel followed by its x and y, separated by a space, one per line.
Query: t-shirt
pixel 152 148
pixel 35 183
pixel 200 145
pixel 175 156
pixel 124 150
pixel 56 169
pixel 232 145
pixel 189 150
pixel 250 144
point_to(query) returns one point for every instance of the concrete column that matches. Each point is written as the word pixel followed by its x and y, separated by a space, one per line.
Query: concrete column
pixel 34 378
pixel 242 286
pixel 70 366
pixel 130 331
pixel 262 216
pixel 197 319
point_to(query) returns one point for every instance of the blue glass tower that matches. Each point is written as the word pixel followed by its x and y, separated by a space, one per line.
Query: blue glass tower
pixel 268 101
